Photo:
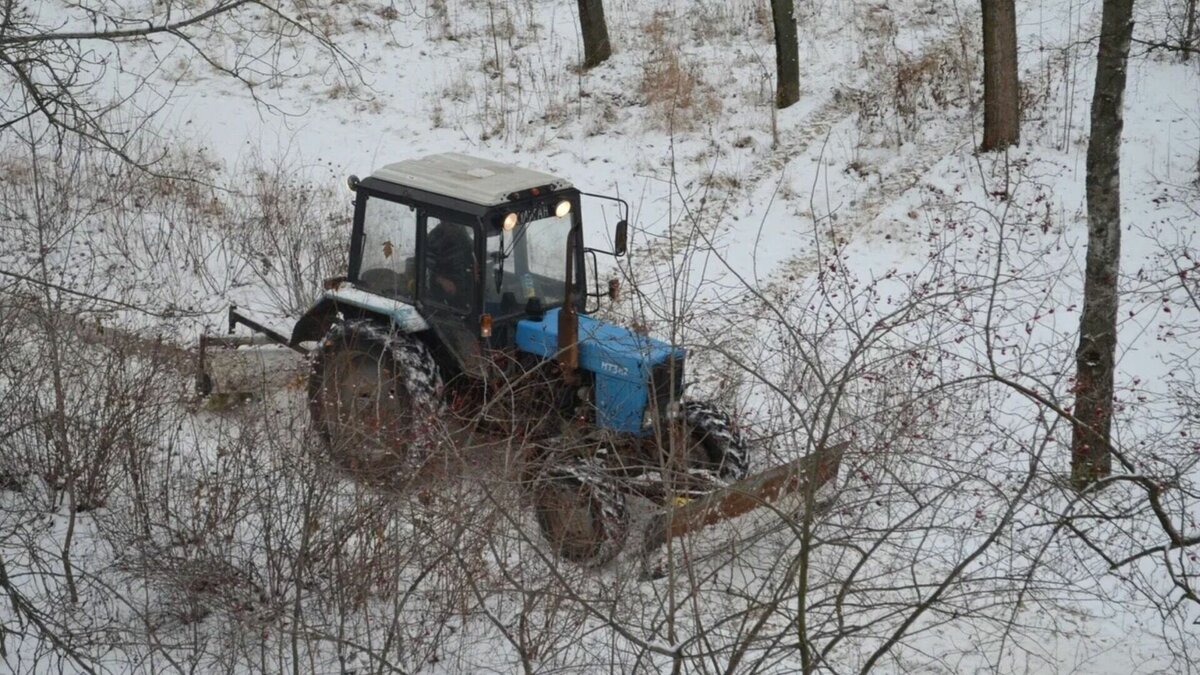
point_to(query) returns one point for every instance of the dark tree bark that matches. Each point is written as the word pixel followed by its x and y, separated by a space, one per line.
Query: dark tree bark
pixel 1189 32
pixel 596 47
pixel 1001 94
pixel 1094 360
pixel 787 53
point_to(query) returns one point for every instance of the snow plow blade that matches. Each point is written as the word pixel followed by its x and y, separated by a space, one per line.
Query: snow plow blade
pixel 787 487
pixel 237 365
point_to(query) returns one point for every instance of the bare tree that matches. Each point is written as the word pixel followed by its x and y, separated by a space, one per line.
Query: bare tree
pixel 1170 26
pixel 1096 355
pixel 1189 33
pixel 1001 91
pixel 787 53
pixel 596 47
pixel 58 66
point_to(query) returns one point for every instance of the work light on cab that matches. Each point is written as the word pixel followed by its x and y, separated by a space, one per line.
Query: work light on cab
pixel 563 208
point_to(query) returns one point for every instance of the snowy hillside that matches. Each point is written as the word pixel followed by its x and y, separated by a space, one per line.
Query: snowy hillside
pixel 849 268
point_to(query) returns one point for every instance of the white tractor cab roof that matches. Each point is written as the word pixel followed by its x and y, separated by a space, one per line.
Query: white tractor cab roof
pixel 470 179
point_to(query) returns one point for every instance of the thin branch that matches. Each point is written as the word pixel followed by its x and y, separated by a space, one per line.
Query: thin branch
pixel 116 35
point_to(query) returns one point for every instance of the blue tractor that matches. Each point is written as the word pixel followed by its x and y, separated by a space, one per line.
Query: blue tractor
pixel 467 304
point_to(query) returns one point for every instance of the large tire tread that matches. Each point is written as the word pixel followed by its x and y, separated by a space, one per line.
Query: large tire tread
pixel 410 362
pixel 605 505
pixel 726 448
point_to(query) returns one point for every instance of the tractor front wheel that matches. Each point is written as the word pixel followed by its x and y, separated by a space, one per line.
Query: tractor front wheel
pixel 714 443
pixel 374 395
pixel 580 512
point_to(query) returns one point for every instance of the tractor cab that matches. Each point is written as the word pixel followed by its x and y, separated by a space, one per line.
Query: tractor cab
pixel 472 245
pixel 485 257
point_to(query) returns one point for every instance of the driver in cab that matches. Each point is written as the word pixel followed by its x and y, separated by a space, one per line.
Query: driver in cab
pixel 451 265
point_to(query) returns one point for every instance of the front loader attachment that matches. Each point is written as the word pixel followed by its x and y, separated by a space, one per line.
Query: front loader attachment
pixel 789 489
pixel 247 365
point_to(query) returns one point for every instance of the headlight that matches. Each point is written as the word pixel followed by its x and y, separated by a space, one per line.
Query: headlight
pixel 563 208
pixel 510 221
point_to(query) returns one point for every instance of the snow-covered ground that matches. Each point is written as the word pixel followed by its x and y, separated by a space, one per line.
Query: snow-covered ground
pixel 855 238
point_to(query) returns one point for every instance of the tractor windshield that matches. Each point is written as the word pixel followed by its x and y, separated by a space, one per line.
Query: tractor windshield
pixel 526 262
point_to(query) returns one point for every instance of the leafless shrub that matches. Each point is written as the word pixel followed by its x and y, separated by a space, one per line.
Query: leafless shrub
pixel 711 22
pixel 297 231
pixel 941 519
pixel 522 80
pixel 673 88
pixel 903 88
pixel 1171 26
pixel 59 76
pixel 97 399
pixel 97 396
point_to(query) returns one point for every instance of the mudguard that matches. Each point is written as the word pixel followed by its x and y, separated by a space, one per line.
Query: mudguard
pixel 317 320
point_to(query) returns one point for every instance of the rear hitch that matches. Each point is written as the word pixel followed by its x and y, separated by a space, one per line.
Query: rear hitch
pixel 227 364
pixel 236 317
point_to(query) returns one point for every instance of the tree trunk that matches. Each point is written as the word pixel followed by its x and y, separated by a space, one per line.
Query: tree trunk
pixel 1094 361
pixel 1189 33
pixel 787 53
pixel 596 47
pixel 1001 93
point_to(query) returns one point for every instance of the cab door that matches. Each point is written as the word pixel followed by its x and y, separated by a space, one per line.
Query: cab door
pixel 448 292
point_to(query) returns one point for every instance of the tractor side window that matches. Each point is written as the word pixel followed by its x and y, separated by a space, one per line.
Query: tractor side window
pixel 449 264
pixel 389 250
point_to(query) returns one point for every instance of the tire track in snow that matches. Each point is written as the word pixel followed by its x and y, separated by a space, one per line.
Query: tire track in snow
pixel 868 208
pixel 892 184
pixel 851 224
pixel 801 142
pixel 735 315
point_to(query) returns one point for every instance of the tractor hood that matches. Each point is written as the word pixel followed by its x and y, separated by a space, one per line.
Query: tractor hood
pixel 604 348
pixel 623 363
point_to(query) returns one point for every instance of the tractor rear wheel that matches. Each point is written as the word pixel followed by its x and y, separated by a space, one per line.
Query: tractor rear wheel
pixel 374 396
pixel 580 512
pixel 715 444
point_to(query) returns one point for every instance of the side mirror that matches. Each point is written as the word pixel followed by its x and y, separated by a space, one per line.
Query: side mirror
pixel 621 240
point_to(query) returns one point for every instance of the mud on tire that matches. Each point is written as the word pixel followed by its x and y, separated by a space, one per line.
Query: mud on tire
pixel 375 396
pixel 580 512
pixel 720 447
